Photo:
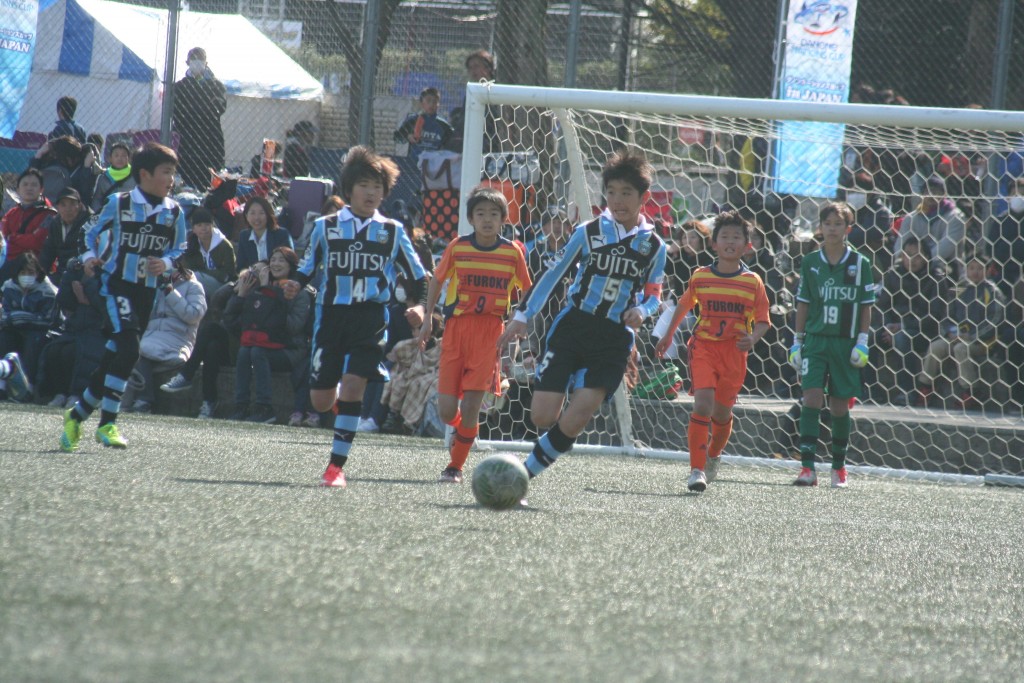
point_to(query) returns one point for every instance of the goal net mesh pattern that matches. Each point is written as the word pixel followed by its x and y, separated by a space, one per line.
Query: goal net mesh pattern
pixel 925 407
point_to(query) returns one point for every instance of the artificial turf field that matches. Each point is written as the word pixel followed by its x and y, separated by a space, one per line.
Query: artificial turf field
pixel 205 552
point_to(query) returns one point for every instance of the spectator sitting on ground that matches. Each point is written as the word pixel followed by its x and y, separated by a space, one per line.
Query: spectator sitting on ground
pixel 178 308
pixel 24 227
pixel 64 233
pixel 117 177
pixel 968 333
pixel 70 358
pixel 298 140
pixel 425 130
pixel 912 304
pixel 211 352
pixel 1006 238
pixel 65 163
pixel 29 300
pixel 938 222
pixel 209 254
pixel 261 236
pixel 66 108
pixel 413 378
pixel 273 334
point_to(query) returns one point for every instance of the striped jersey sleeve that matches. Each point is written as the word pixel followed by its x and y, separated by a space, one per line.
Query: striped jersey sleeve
pixel 727 305
pixel 481 279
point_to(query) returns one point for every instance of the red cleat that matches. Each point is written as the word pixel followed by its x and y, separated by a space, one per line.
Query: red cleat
pixel 333 476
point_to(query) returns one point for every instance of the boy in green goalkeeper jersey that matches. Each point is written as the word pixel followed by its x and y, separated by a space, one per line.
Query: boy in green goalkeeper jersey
pixel 831 343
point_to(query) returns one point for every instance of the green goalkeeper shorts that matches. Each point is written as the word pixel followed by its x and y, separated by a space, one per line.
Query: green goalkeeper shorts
pixel 826 365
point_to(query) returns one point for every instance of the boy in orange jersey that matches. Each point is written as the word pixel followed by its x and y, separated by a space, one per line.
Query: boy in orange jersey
pixel 482 269
pixel 733 316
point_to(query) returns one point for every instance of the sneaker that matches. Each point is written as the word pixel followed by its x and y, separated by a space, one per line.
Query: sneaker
pixel 207 410
pixel 367 424
pixel 109 436
pixel 241 413
pixel 312 419
pixel 72 433
pixel 176 384
pixel 450 475
pixel 839 478
pixel 264 414
pixel 295 420
pixel 711 469
pixel 807 477
pixel 18 388
pixel 58 401
pixel 70 403
pixel 142 407
pixel 333 476
pixel 697 482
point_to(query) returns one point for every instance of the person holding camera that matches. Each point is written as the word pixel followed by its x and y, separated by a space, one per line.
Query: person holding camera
pixel 179 306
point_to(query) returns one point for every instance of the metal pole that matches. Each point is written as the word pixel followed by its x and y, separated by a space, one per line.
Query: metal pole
pixel 169 59
pixel 371 26
pixel 1004 42
pixel 575 7
pixel 623 47
pixel 777 54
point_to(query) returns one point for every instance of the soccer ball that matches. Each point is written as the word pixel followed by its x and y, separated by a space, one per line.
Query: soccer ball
pixel 500 482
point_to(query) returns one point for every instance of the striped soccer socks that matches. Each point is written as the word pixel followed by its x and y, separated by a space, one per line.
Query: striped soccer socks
pixel 549 446
pixel 345 422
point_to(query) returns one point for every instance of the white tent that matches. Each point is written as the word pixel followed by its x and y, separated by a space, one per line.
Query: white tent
pixel 110 57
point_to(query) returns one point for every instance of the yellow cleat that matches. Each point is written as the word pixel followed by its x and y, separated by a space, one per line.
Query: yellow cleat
pixel 72 433
pixel 109 436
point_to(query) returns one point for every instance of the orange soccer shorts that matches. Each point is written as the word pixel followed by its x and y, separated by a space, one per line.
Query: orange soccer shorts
pixel 469 355
pixel 718 365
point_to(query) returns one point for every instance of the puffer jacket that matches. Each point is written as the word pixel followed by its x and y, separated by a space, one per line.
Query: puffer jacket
pixel 24 228
pixel 30 309
pixel 172 328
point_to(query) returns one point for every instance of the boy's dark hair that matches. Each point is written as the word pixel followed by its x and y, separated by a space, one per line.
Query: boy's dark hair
pixel 34 172
pixel 66 107
pixel 29 259
pixel 121 144
pixel 362 163
pixel 631 166
pixel 149 157
pixel 483 194
pixel 430 91
pixel 841 209
pixel 66 151
pixel 484 56
pixel 923 248
pixel 731 218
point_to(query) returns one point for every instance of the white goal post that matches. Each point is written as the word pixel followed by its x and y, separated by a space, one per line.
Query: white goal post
pixel 693 142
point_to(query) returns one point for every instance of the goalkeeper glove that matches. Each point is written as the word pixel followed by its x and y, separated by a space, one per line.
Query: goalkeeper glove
pixel 794 351
pixel 859 355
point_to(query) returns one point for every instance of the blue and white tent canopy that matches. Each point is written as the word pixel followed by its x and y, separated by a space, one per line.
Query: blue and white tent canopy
pixel 110 56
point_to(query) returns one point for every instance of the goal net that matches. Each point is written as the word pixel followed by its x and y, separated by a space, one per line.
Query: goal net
pixel 930 408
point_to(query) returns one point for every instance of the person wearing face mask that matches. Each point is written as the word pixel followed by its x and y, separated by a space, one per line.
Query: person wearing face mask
pixel 199 102
pixel 1006 238
pixel 28 305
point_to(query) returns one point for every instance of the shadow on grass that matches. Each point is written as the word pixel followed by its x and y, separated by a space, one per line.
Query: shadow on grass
pixel 243 482
pixel 481 508
pixel 412 482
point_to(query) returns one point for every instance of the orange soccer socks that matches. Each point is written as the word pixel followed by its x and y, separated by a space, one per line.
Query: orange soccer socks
pixel 720 433
pixel 697 438
pixel 461 443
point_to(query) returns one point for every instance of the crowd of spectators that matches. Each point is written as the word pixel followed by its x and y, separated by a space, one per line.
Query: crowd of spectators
pixel 947 323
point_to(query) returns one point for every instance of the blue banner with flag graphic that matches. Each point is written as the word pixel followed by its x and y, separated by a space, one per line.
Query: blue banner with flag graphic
pixel 819 50
pixel 17 44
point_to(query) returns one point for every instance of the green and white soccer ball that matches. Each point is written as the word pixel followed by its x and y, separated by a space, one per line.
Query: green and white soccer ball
pixel 500 482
